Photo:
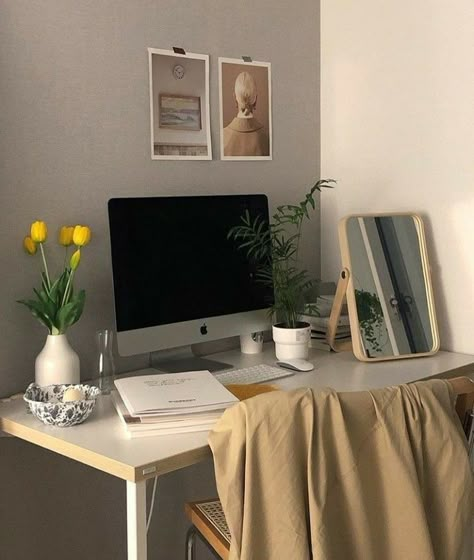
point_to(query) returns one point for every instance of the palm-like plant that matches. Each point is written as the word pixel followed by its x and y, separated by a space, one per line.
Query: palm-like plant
pixel 274 248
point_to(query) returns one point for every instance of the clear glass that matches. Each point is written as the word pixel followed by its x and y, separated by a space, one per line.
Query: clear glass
pixel 105 360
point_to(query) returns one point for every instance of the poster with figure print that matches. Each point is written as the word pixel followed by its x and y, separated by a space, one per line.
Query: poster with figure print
pixel 245 110
pixel 179 105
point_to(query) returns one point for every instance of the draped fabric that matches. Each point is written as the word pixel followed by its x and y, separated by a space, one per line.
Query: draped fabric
pixel 381 475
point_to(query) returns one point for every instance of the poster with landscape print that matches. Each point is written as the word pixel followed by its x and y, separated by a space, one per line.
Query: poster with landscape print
pixel 179 105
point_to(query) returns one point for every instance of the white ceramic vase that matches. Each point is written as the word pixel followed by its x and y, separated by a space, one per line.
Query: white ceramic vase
pixel 57 363
pixel 291 343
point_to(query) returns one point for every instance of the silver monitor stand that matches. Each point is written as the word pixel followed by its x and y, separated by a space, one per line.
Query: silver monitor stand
pixel 180 359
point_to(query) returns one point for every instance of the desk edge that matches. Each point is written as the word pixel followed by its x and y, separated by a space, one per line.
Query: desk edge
pixel 70 450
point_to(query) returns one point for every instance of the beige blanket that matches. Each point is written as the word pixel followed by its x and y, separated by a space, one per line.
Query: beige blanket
pixel 380 475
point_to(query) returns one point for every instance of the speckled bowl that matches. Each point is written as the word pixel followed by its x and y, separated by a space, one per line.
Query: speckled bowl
pixel 46 404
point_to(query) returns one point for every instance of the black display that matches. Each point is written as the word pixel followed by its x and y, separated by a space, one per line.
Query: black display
pixel 172 260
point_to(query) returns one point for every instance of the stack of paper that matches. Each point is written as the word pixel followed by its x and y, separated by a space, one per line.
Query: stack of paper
pixel 170 403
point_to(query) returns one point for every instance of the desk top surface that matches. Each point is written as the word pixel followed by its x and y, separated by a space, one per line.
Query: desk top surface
pixel 101 442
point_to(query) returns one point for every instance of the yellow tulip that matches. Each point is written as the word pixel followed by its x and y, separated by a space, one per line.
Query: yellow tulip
pixel 81 236
pixel 75 259
pixel 29 245
pixel 65 235
pixel 39 232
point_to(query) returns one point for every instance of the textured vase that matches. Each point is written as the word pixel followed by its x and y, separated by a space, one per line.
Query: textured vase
pixel 291 343
pixel 57 363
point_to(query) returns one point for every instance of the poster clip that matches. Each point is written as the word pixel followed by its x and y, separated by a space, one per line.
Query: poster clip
pixel 179 50
pixel 247 58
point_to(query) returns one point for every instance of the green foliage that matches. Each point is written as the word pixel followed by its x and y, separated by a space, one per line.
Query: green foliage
pixel 57 308
pixel 274 248
pixel 371 319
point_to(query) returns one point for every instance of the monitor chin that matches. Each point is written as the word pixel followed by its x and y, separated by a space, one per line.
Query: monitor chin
pixel 186 333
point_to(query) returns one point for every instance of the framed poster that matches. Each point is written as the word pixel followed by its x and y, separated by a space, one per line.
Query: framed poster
pixel 245 110
pixel 180 112
pixel 179 105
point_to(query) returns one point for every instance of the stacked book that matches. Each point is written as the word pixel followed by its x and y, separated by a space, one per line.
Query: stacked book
pixel 319 330
pixel 164 404
pixel 319 324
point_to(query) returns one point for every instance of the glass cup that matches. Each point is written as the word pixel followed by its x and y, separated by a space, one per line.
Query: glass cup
pixel 251 343
pixel 105 367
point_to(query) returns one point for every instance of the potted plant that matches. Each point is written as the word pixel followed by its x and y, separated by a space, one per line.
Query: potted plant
pixel 56 305
pixel 274 247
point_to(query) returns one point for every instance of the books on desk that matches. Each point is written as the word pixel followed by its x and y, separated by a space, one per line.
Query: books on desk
pixel 319 328
pixel 164 404
pixel 323 322
pixel 162 426
pixel 319 342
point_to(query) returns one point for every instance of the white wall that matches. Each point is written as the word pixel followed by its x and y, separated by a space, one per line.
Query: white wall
pixel 397 131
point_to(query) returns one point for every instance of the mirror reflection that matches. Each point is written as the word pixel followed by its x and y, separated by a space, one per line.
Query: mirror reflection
pixel 391 289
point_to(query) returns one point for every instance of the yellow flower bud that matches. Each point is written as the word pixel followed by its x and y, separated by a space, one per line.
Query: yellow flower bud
pixel 39 232
pixel 65 235
pixel 81 236
pixel 29 245
pixel 75 259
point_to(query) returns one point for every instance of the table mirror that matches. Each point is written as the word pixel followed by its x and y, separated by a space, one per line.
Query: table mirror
pixel 386 279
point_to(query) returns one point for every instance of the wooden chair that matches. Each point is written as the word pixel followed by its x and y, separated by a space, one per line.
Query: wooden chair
pixel 208 522
pixel 207 517
pixel 463 387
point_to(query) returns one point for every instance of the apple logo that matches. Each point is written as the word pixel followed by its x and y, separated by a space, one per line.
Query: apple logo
pixel 204 329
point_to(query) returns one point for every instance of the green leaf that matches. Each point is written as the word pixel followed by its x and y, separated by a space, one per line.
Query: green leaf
pixel 59 285
pixel 71 312
pixel 42 296
pixel 274 250
pixel 49 307
pixel 38 312
pixel 44 282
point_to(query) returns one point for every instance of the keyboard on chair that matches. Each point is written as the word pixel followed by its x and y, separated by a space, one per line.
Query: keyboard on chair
pixel 252 374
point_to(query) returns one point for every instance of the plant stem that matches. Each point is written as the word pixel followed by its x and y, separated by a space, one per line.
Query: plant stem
pixel 298 241
pixel 69 281
pixel 45 266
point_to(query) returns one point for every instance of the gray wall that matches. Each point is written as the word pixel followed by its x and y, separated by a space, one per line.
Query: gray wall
pixel 74 124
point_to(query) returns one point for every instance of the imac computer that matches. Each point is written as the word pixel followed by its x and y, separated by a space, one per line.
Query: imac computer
pixel 178 278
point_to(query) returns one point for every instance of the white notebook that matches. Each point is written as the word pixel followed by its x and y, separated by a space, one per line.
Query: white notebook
pixel 174 393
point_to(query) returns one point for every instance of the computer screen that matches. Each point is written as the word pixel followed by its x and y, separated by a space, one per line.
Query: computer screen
pixel 178 279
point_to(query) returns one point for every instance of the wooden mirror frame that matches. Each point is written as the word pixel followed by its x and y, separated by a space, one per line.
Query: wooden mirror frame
pixel 346 290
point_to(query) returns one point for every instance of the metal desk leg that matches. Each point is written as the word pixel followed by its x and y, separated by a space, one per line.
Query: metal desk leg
pixel 136 520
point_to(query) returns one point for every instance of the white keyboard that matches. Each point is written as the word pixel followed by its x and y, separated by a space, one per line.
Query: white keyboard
pixel 253 374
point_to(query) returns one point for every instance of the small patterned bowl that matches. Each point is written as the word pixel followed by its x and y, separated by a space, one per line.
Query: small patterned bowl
pixel 46 404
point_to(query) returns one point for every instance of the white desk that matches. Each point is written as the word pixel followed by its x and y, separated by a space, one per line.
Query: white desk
pixel 101 442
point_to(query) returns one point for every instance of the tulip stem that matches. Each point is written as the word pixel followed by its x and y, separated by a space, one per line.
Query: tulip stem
pixel 69 281
pixel 45 267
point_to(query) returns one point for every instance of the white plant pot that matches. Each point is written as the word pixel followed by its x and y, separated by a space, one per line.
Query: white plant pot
pixel 292 343
pixel 57 363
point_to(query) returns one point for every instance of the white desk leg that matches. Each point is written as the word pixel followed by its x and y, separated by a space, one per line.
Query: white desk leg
pixel 136 520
